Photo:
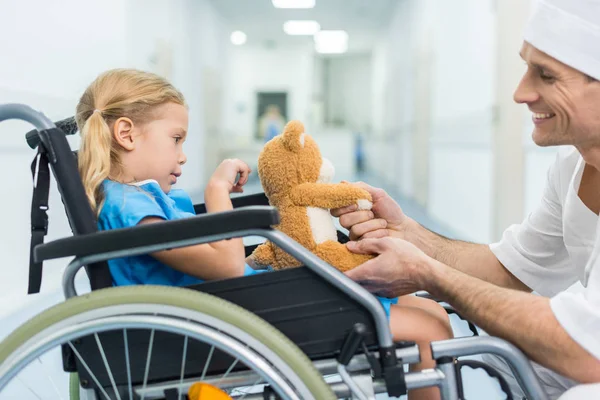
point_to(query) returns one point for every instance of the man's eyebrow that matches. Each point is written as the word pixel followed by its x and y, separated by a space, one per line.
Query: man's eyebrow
pixel 539 65
pixel 544 67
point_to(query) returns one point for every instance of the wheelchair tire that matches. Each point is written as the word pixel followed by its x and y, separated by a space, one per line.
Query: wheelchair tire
pixel 27 336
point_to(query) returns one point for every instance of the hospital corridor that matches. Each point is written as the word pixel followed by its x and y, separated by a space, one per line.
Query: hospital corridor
pixel 431 167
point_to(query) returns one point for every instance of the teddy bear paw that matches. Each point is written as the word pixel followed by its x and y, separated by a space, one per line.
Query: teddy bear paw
pixel 364 204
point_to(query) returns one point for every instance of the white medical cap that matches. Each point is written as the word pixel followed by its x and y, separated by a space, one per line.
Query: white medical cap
pixel 569 31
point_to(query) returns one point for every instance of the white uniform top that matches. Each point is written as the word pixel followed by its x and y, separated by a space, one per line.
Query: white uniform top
pixel 552 250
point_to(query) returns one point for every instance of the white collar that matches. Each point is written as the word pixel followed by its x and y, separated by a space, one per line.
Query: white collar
pixel 141 183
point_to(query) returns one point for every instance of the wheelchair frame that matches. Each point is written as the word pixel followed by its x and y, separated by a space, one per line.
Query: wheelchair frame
pixel 257 221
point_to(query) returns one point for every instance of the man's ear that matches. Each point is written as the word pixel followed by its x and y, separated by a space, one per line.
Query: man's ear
pixel 123 133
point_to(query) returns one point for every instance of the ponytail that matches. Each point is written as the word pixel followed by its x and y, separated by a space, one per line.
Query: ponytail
pixel 95 157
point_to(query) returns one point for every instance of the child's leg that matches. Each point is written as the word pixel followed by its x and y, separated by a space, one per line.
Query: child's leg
pixel 422 321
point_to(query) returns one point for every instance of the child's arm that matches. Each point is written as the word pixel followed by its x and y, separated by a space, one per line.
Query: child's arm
pixel 217 260
pixel 330 195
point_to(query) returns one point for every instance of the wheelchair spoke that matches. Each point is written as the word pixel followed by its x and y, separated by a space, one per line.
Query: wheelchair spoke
pixel 128 364
pixel 150 345
pixel 50 379
pixel 89 371
pixel 227 372
pixel 210 353
pixel 110 374
pixel 183 359
pixel 28 387
pixel 247 391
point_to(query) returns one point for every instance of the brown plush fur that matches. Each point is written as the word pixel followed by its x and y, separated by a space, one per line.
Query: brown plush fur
pixel 288 168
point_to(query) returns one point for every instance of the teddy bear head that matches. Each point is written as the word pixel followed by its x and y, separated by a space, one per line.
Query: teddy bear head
pixel 291 159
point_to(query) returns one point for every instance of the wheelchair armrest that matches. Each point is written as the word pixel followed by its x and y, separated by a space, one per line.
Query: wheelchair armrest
pixel 159 233
pixel 257 199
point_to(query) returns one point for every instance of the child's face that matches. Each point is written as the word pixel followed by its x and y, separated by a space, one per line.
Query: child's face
pixel 158 151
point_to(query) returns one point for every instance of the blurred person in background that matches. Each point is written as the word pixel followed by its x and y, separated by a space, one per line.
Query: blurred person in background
pixel 271 123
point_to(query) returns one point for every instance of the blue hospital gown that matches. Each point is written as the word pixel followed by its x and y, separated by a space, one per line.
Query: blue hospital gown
pixel 125 205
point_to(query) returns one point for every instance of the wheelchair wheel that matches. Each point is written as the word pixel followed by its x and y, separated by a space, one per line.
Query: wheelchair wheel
pixel 208 331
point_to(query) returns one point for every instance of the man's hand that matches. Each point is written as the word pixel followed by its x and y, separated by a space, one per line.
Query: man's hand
pixel 399 268
pixel 385 218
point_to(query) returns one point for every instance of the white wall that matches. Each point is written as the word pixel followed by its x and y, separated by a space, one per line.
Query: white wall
pixel 255 69
pixel 390 153
pixel 379 83
pixel 348 91
pixel 51 55
pixel 462 116
pixel 435 82
pixel 49 67
pixel 44 41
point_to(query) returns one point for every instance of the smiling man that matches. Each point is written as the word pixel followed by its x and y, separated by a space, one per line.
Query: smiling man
pixel 554 252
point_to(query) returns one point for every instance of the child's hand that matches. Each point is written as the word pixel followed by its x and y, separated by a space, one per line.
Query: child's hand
pixel 227 173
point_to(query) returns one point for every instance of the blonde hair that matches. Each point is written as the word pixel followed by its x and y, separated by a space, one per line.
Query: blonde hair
pixel 114 94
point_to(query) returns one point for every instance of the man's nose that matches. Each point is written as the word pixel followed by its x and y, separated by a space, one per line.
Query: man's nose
pixel 525 92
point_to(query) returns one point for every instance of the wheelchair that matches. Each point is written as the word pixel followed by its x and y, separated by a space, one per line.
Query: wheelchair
pixel 303 333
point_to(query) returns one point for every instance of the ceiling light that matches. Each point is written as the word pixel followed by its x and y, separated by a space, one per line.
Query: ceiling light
pixel 294 3
pixel 331 42
pixel 238 38
pixel 301 27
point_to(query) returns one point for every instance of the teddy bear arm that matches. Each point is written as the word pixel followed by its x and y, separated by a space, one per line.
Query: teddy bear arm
pixel 328 195
pixel 264 255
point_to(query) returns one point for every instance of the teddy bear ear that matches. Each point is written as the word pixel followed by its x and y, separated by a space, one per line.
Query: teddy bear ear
pixel 293 136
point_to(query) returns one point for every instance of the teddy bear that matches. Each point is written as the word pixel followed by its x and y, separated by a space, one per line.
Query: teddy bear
pixel 296 180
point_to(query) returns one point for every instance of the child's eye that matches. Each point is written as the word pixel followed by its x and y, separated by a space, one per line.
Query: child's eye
pixel 177 139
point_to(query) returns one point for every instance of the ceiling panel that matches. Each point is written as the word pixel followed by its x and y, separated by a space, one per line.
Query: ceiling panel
pixel 364 20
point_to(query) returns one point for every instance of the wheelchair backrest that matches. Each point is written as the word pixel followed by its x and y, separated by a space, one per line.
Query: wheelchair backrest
pixel 81 217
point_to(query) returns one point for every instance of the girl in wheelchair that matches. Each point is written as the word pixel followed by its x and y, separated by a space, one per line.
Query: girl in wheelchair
pixel 133 125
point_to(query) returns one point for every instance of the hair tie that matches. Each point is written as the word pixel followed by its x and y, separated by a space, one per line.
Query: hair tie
pixel 96 110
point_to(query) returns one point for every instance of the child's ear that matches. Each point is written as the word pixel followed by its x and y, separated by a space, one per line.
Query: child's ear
pixel 123 133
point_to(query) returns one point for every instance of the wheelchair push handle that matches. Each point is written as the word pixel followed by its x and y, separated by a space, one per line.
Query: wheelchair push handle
pixel 67 125
pixel 25 113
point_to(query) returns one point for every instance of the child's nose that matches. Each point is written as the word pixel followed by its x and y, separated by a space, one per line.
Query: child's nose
pixel 182 159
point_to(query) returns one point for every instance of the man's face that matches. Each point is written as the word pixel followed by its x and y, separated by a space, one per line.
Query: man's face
pixel 565 103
